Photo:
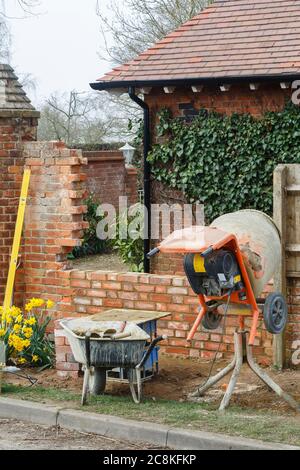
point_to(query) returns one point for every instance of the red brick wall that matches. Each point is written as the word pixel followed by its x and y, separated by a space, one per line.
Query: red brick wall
pixel 108 178
pixel 239 99
pixel 15 128
pixel 184 102
pixel 54 216
pixel 293 331
pixel 92 292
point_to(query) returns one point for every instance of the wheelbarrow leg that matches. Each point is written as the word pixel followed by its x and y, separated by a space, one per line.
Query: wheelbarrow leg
pixel 85 387
pixel 87 369
pixel 136 395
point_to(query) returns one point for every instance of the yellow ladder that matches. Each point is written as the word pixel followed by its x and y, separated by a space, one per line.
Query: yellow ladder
pixel 17 241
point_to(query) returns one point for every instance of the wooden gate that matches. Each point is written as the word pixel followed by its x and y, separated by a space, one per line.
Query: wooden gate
pixel 287 218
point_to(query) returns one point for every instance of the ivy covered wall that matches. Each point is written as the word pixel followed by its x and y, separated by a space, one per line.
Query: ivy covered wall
pixel 225 161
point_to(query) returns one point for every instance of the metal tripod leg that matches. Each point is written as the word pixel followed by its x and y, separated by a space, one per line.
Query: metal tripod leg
pixel 239 359
pixel 267 379
pixel 243 354
pixel 213 380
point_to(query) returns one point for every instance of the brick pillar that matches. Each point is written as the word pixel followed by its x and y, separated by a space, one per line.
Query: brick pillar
pixel 54 219
pixel 131 184
pixel 18 124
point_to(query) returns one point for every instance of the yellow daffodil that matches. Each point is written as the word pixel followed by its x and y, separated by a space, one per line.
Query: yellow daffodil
pixel 26 343
pixel 17 328
pixel 30 321
pixel 22 360
pixel 35 358
pixel 50 304
pixel 34 303
pixel 28 332
pixel 2 332
pixel 19 319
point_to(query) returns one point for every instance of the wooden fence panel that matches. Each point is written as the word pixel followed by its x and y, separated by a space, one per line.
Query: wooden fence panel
pixel 287 218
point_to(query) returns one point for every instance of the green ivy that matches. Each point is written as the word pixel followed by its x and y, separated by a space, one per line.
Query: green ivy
pixel 226 162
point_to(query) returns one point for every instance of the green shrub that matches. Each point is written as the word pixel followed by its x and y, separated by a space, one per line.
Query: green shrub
pixel 226 162
pixel 131 249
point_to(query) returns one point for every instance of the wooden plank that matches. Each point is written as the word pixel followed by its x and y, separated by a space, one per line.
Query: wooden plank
pixel 280 281
pixel 17 241
pixel 293 248
pixel 293 274
pixel 132 316
pixel 293 188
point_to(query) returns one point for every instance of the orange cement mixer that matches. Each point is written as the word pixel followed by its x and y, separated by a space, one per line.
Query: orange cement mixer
pixel 231 262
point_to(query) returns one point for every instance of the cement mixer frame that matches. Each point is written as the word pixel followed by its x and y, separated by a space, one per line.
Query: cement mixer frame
pixel 230 242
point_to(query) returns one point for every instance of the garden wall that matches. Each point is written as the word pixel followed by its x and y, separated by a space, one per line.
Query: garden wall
pixel 108 177
pixel 16 127
pixel 81 293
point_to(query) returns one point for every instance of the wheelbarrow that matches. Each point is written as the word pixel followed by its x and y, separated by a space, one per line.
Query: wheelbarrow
pixel 103 346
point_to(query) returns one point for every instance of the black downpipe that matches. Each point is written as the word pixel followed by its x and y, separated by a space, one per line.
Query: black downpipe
pixel 147 175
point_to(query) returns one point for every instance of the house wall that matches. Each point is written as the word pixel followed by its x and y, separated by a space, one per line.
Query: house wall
pixel 186 104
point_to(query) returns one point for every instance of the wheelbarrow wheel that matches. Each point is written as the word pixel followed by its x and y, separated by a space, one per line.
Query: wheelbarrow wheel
pixel 211 321
pixel 275 313
pixel 97 381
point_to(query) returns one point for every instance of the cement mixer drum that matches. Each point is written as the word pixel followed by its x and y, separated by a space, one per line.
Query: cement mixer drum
pixel 259 241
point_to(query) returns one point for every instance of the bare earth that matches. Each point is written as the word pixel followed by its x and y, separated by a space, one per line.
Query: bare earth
pixel 16 435
pixel 178 377
pixel 105 262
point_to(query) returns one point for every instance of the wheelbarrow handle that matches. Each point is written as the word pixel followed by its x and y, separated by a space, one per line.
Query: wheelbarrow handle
pixel 153 252
pixel 150 349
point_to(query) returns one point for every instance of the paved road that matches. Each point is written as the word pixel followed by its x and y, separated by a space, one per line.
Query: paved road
pixel 16 435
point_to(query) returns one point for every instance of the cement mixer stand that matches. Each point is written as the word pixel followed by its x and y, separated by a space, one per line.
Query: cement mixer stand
pixel 243 355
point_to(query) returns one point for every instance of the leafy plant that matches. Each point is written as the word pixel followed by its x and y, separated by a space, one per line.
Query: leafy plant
pixel 129 238
pixel 226 162
pixel 91 245
pixel 24 333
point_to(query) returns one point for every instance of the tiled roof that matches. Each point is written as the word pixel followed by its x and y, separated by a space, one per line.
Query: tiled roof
pixel 12 95
pixel 230 38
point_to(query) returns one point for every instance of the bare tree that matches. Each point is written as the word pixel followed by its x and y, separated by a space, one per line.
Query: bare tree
pixel 132 26
pixel 81 118
pixel 25 8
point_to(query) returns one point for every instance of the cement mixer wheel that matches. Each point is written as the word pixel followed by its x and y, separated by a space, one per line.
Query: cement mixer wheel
pixel 275 313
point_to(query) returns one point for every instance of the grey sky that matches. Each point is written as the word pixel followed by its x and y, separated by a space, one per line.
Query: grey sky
pixel 59 47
